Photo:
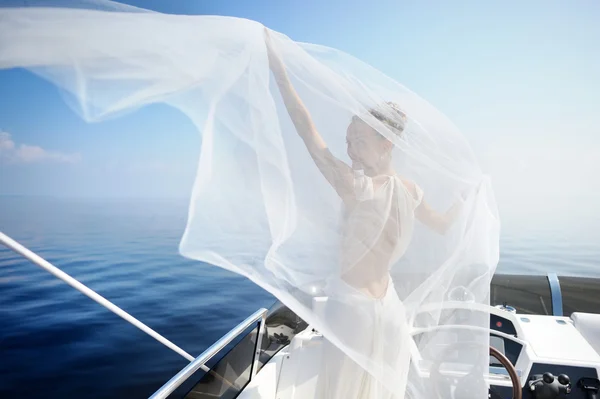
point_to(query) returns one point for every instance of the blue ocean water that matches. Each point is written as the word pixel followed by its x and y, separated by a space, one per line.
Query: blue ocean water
pixel 57 343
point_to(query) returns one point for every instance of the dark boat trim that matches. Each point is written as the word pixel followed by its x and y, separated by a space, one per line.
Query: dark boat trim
pixel 534 294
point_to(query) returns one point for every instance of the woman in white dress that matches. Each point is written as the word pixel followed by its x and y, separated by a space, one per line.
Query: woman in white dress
pixel 363 309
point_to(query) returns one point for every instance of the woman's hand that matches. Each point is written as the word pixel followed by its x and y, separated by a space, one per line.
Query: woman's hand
pixel 275 63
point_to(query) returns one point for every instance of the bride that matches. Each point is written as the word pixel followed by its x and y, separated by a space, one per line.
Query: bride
pixel 380 208
pixel 254 209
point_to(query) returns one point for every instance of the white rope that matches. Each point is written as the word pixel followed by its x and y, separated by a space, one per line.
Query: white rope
pixel 44 264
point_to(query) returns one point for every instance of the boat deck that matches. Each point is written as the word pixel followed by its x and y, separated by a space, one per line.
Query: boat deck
pixel 527 294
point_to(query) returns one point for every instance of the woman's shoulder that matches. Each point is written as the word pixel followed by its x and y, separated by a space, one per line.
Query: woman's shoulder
pixel 412 188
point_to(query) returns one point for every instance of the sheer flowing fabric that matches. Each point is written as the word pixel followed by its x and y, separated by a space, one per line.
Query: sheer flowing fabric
pixel 318 176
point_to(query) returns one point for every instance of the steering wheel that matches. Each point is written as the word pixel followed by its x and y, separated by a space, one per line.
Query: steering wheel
pixel 477 373
pixel 512 372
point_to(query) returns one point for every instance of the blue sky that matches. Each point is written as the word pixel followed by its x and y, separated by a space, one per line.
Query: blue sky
pixel 519 78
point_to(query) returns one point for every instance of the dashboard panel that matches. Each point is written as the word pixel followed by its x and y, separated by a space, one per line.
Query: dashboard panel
pixel 548 339
pixel 575 373
pixel 510 349
pixel 502 324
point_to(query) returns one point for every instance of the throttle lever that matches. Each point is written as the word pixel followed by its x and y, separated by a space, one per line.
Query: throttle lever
pixel 546 386
pixel 590 386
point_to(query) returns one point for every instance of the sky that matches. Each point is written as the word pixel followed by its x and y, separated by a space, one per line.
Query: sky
pixel 520 79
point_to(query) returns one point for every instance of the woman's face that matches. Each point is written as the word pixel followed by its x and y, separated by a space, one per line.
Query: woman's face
pixel 365 145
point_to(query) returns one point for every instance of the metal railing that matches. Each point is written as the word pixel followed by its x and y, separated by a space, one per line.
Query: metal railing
pixel 556 295
pixel 49 267
pixel 195 363
pixel 259 316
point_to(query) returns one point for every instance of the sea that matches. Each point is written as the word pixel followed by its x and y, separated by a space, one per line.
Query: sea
pixel 57 343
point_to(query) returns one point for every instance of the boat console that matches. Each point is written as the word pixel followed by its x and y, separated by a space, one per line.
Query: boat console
pixel 553 355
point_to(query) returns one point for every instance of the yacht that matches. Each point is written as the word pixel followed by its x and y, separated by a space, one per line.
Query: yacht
pixel 544 344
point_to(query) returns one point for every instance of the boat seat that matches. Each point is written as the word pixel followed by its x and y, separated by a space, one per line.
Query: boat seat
pixel 588 325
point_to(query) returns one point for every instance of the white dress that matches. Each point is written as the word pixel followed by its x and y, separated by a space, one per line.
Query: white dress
pixel 370 324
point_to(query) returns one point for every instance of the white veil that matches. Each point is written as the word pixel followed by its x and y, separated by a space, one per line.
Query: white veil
pixel 318 176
